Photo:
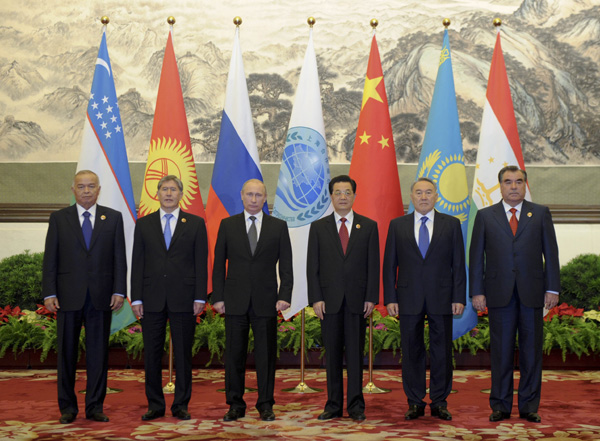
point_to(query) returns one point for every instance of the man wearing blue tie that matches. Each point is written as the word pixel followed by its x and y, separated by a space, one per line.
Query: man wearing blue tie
pixel 169 281
pixel 84 279
pixel 424 276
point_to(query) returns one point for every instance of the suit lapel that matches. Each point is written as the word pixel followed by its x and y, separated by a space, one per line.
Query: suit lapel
pixel 264 229
pixel 335 235
pixel 501 218
pixel 98 224
pixel 240 226
pixel 439 223
pixel 524 218
pixel 354 232
pixel 73 219
pixel 179 228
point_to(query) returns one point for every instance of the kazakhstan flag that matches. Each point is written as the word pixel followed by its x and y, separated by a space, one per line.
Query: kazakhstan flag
pixel 442 160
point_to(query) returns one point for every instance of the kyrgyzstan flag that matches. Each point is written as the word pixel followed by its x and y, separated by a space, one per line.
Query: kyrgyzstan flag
pixel 170 150
pixel 373 165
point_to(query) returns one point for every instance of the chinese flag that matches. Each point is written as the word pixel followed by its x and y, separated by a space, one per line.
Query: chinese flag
pixel 373 165
pixel 170 150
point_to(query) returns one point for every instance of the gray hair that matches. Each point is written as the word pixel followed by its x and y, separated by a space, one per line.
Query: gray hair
pixel 171 178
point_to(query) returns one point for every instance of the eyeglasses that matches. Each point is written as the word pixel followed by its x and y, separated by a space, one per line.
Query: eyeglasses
pixel 338 193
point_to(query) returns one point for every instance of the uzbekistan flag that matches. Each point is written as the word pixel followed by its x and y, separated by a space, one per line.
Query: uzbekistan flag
pixel 442 160
pixel 237 159
pixel 303 188
pixel 103 152
pixel 373 165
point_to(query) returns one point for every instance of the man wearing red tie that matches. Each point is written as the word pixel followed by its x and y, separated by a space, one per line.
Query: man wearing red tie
pixel 514 272
pixel 342 268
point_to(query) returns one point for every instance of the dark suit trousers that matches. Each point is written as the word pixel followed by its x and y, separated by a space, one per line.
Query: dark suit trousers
pixel 264 329
pixel 97 331
pixel 182 326
pixel 339 331
pixel 414 361
pixel 504 324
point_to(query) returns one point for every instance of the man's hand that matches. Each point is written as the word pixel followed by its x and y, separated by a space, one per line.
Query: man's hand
pixel 282 305
pixel 199 307
pixel 550 300
pixel 392 309
pixel 219 307
pixel 116 302
pixel 319 308
pixel 479 302
pixel 138 310
pixel 368 309
pixel 457 308
pixel 51 304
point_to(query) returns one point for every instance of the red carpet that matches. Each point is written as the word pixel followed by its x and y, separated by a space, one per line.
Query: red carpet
pixel 28 409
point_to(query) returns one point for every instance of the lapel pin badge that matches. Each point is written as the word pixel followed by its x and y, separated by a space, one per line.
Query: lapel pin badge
pixel 358 226
pixel 529 214
pixel 103 217
pixel 184 220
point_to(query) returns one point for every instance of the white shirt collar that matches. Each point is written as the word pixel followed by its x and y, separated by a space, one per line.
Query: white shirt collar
pixel 507 207
pixel 349 217
pixel 258 216
pixel 429 215
pixel 81 210
pixel 175 213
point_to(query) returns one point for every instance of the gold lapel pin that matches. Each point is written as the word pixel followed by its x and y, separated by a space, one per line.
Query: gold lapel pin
pixel 358 226
pixel 184 220
pixel 529 214
pixel 103 217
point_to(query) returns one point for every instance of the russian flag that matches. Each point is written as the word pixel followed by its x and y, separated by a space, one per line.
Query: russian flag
pixel 237 159
pixel 103 152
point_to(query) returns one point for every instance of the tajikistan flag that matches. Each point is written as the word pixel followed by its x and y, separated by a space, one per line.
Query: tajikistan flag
pixel 103 152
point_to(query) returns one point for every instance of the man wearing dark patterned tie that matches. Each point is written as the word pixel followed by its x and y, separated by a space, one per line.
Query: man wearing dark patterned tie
pixel 342 268
pixel 424 276
pixel 252 249
pixel 168 281
pixel 514 272
pixel 84 279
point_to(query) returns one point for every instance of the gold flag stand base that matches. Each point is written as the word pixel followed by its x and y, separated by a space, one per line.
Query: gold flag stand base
pixel 109 390
pixel 302 388
pixel 371 388
pixel 169 388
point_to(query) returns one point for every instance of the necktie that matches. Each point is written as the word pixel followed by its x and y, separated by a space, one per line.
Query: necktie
pixel 252 235
pixel 514 223
pixel 423 236
pixel 86 228
pixel 344 234
pixel 168 233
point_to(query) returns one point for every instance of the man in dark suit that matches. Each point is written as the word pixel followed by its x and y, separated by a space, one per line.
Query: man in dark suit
pixel 249 247
pixel 84 279
pixel 514 272
pixel 424 275
pixel 342 268
pixel 168 281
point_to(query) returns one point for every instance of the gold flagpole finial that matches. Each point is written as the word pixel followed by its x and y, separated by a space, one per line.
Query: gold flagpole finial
pixel 311 21
pixel 171 20
pixel 374 22
pixel 446 22
pixel 497 22
pixel 105 20
pixel 237 21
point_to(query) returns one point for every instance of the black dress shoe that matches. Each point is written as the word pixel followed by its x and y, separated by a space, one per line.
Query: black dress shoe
pixel 67 418
pixel 182 414
pixel 358 416
pixel 329 415
pixel 414 412
pixel 267 415
pixel 233 415
pixel 98 416
pixel 532 417
pixel 498 415
pixel 441 412
pixel 152 415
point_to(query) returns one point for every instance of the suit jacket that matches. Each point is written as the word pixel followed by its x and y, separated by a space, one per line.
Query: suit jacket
pixel 240 278
pixel 438 279
pixel 333 276
pixel 498 260
pixel 175 277
pixel 70 269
